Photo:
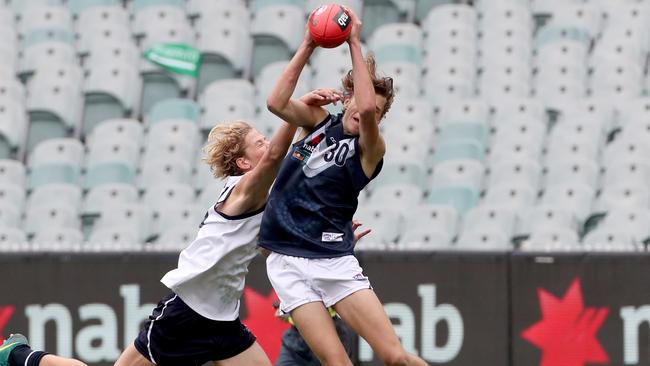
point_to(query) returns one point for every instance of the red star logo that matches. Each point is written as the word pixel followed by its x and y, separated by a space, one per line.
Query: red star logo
pixel 5 314
pixel 566 334
pixel 262 322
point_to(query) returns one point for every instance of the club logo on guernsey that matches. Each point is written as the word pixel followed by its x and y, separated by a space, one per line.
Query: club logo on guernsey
pixel 304 152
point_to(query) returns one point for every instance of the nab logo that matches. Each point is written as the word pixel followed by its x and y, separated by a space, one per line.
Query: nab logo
pixel 342 19
pixel 6 311
pixel 262 321
pixel 566 334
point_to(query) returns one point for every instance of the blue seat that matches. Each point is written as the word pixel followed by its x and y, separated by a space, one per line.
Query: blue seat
pixel 423 7
pixel 550 34
pixel 458 149
pixel 109 172
pixel 403 172
pixel 77 6
pixel 464 131
pixel 256 5
pixel 277 33
pixel 141 4
pixel 174 108
pixel 53 173
pixel 226 52
pixel 397 42
pixel 110 91
pixel 377 13
pixel 398 53
pixel 461 198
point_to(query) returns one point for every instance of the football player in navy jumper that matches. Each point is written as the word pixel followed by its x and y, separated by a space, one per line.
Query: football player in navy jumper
pixel 307 224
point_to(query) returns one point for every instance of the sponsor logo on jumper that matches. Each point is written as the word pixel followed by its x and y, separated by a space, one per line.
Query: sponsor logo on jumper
pixel 304 152
pixel 313 143
pixel 332 237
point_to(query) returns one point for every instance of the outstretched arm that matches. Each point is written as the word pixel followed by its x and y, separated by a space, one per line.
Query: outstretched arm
pixel 252 190
pixel 371 143
pixel 280 103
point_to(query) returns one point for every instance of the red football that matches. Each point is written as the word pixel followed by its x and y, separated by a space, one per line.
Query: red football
pixel 329 25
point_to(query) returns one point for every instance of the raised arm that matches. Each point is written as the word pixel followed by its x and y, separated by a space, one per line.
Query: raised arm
pixel 252 190
pixel 370 140
pixel 280 103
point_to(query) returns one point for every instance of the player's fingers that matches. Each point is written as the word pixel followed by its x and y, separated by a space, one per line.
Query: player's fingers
pixel 325 93
pixel 352 14
pixel 316 95
pixel 362 234
pixel 338 95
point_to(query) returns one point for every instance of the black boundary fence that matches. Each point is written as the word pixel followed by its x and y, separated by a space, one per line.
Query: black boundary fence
pixel 494 309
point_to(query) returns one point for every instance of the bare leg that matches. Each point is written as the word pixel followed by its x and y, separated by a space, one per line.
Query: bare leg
pixel 253 356
pixel 365 314
pixel 131 357
pixel 317 328
pixel 53 360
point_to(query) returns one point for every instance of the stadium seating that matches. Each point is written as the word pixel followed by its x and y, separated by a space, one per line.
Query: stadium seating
pixel 56 161
pixel 12 198
pixel 225 41
pixel 516 125
pixel 429 227
pixel 277 31
pixel 106 194
pixel 13 239
pixel 111 162
pixel 58 239
pixel 109 91
pixel 13 172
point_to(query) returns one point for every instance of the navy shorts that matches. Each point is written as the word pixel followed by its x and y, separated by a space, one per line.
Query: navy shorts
pixel 176 335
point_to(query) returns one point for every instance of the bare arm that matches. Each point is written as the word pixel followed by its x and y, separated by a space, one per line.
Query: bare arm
pixel 280 103
pixel 370 140
pixel 252 190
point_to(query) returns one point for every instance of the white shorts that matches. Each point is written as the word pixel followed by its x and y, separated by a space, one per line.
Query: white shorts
pixel 298 281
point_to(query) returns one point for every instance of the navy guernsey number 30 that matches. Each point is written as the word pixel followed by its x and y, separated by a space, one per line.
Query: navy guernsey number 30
pixel 338 153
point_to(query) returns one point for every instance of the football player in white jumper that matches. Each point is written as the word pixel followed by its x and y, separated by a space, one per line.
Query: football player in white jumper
pixel 199 321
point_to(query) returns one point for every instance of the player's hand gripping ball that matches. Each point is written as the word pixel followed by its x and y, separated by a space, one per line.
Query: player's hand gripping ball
pixel 329 25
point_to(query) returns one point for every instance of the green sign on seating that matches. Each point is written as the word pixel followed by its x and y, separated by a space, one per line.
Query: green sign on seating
pixel 179 58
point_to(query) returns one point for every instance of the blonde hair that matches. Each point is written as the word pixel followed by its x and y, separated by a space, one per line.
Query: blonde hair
pixel 383 85
pixel 225 145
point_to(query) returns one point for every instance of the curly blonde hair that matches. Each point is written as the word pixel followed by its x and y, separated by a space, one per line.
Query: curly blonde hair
pixel 383 85
pixel 225 145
